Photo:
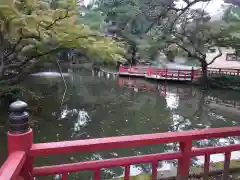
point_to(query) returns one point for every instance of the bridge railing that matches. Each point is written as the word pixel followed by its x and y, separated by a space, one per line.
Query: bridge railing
pixel 224 71
pixel 177 74
pixel 22 150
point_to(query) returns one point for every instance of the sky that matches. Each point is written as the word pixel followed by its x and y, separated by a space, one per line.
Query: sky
pixel 212 7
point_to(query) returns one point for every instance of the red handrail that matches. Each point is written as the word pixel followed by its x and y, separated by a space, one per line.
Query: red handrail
pixel 12 166
pixel 184 155
pixel 186 152
pixel 182 74
pixel 45 149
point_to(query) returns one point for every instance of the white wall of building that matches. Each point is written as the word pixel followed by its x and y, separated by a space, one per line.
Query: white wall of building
pixel 221 61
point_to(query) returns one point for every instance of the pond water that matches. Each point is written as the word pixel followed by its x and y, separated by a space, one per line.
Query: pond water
pixel 101 105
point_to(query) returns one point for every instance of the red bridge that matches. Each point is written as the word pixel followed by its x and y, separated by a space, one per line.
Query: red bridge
pixel 174 74
pixel 22 150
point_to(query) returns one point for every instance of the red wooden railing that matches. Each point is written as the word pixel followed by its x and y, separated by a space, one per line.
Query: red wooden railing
pixel 22 153
pixel 175 74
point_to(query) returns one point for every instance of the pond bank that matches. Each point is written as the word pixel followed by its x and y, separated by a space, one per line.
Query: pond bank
pixel 215 172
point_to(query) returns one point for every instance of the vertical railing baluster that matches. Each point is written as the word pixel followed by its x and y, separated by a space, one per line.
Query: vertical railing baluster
pixel 226 165
pixel 206 166
pixel 184 162
pixel 65 176
pixel 97 174
pixel 192 74
pixel 154 170
pixel 166 73
pixel 127 172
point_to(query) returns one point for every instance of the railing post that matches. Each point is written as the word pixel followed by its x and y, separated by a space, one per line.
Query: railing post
pixel 120 68
pixel 184 162
pixel 20 135
pixel 150 70
pixel 192 74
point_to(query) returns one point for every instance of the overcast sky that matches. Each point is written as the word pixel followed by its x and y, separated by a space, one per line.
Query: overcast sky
pixel 212 7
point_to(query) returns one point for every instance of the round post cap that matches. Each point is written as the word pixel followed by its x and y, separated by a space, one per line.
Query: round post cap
pixel 18 106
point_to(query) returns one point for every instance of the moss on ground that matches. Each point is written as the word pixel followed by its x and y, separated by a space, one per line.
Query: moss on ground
pixel 138 177
pixel 234 164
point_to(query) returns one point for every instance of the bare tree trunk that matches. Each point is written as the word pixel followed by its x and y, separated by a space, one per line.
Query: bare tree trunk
pixel 1 66
pixel 134 53
pixel 205 73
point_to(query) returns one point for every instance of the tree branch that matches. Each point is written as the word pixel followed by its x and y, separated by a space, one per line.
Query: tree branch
pixel 24 68
pixel 23 37
pixel 30 58
pixel 219 55
pixel 58 19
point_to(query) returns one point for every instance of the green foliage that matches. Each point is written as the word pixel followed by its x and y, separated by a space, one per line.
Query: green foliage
pixel 32 29
pixel 232 14
pixel 143 23
pixel 129 23
pixel 232 29
pixel 92 18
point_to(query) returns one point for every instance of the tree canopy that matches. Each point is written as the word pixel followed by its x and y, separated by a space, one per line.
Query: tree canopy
pixel 32 29
pixel 141 22
pixel 234 2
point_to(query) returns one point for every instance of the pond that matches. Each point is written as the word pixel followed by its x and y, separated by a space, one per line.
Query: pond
pixel 102 105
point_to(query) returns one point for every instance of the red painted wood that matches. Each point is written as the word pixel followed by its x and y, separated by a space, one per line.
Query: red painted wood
pixel 165 72
pixel 22 142
pixel 154 170
pixel 120 68
pixel 44 149
pixel 12 166
pixel 24 165
pixel 92 165
pixel 65 176
pixel 107 163
pixel 127 172
pixel 206 166
pixel 27 168
pixel 214 150
pixel 184 161
pixel 226 165
pixel 97 174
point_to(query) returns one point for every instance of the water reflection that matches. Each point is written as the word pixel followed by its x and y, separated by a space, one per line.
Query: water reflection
pixel 101 105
